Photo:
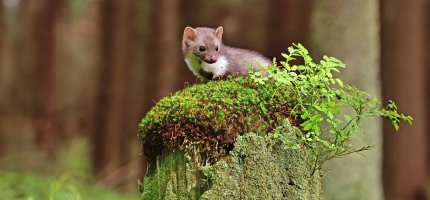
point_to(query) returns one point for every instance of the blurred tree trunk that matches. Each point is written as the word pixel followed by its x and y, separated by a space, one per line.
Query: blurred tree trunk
pixel 21 95
pixel 348 30
pixel 427 34
pixel 140 31
pixel 133 76
pixel 137 24
pixel 111 94
pixel 164 49
pixel 244 28
pixel 44 37
pixel 289 23
pixel 2 36
pixel 403 79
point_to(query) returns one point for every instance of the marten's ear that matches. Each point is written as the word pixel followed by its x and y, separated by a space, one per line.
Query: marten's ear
pixel 218 32
pixel 190 33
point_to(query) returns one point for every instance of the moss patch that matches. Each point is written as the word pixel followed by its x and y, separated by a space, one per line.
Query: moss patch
pixel 205 119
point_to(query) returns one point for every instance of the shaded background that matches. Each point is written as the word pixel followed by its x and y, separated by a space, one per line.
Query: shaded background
pixel 76 77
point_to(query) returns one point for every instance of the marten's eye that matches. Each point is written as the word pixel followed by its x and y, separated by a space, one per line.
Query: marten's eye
pixel 216 48
pixel 202 48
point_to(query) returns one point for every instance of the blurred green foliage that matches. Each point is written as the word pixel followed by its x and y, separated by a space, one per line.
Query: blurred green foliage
pixel 70 179
pixel 29 186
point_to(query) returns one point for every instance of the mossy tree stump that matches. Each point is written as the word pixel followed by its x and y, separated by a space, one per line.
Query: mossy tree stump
pixel 214 141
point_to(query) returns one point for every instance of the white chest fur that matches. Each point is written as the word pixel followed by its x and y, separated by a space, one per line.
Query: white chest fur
pixel 219 68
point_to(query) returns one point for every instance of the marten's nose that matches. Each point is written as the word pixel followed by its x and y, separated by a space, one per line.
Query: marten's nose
pixel 211 59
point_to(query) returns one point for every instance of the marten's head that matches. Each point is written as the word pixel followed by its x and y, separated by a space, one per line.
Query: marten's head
pixel 205 43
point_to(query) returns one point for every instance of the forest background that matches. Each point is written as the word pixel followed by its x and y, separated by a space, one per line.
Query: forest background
pixel 76 77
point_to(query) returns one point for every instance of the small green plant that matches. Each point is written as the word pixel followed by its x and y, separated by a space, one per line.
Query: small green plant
pixel 320 101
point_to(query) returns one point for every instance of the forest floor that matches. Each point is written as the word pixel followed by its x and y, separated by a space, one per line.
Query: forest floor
pixel 31 176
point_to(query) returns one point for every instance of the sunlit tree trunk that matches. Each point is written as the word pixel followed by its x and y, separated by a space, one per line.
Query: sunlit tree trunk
pixel 289 23
pixel 348 30
pixel 403 79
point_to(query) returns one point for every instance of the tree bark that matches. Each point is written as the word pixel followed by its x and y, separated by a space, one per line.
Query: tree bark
pixel 403 80
pixel 341 29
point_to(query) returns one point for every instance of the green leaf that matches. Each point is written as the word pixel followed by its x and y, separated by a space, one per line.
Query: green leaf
pixel 339 82
pixel 294 68
pixel 305 116
pixel 284 55
pixel 301 67
pixel 308 126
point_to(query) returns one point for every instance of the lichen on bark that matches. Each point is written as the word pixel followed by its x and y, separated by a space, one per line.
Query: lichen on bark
pixel 257 168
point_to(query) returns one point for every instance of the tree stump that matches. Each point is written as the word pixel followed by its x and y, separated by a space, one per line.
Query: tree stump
pixel 215 141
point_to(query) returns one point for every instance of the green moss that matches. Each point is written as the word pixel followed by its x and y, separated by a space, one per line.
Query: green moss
pixel 257 168
pixel 205 119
